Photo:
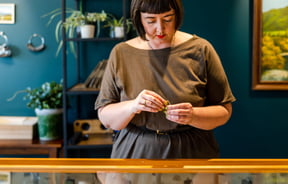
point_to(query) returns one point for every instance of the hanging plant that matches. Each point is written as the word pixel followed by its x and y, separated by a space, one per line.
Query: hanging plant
pixel 74 18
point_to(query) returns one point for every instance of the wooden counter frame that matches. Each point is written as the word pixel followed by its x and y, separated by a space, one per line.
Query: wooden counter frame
pixel 64 165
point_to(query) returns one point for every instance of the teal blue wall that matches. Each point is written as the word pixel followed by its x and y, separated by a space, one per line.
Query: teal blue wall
pixel 258 125
pixel 26 68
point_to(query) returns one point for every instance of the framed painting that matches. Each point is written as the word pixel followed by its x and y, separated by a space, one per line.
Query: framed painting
pixel 270 45
pixel 7 13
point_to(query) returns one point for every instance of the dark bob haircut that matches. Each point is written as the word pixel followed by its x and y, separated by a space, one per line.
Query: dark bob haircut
pixel 155 7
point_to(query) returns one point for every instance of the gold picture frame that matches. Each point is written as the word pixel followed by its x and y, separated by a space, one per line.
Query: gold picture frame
pixel 270 45
pixel 7 13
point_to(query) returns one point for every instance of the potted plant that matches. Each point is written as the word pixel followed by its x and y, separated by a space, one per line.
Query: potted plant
pixel 117 26
pixel 90 19
pixel 85 21
pixel 47 101
pixel 74 20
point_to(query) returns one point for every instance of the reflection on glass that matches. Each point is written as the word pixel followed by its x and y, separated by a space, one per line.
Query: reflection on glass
pixel 149 178
pixel 154 178
pixel 35 178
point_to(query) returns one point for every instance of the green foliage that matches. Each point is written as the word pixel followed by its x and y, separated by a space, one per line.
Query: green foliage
pixel 275 19
pixel 74 18
pixel 95 17
pixel 278 33
pixel 112 21
pixel 271 55
pixel 48 96
pixel 282 43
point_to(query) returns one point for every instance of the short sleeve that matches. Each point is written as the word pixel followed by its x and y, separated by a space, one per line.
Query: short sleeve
pixel 218 89
pixel 109 92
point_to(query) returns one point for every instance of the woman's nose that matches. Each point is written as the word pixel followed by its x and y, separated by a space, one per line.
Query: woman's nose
pixel 159 28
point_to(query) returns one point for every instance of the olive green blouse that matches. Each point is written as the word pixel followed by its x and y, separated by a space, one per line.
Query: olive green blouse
pixel 190 72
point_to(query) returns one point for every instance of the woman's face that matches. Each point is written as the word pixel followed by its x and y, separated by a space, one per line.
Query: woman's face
pixel 159 28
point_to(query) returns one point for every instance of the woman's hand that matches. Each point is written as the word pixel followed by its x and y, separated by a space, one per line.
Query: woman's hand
pixel 206 118
pixel 181 113
pixel 118 115
pixel 148 101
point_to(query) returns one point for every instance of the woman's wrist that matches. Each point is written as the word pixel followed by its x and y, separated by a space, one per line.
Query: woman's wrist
pixel 133 107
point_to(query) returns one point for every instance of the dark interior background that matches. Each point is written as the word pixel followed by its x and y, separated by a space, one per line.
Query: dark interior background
pixel 258 127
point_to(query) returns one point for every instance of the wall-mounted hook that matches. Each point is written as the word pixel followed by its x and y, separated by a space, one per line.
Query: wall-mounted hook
pixel 5 51
pixel 38 48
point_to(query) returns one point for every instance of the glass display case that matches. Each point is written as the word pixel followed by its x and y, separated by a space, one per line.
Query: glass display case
pixel 141 171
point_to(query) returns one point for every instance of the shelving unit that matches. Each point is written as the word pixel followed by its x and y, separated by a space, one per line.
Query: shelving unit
pixel 78 89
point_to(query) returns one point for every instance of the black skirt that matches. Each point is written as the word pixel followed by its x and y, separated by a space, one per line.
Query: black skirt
pixel 136 142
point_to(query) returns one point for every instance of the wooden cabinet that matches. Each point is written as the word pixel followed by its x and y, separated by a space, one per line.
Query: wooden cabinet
pixel 31 147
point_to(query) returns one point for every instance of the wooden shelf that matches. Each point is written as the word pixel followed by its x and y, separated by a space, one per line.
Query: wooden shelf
pixel 97 139
pixel 82 89
pixel 94 39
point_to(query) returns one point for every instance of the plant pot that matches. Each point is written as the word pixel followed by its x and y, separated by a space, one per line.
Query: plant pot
pixel 117 32
pixel 49 123
pixel 87 31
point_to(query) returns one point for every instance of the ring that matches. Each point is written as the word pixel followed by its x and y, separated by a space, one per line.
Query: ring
pixel 145 102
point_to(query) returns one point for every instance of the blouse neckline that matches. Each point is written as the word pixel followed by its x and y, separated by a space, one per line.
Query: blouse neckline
pixel 171 49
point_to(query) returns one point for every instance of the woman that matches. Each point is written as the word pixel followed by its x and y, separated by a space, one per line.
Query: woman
pixel 165 90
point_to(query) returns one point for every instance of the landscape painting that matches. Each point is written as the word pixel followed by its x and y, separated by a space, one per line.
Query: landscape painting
pixel 270 45
pixel 7 13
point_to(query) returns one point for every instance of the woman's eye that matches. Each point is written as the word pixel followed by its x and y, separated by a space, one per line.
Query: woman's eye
pixel 150 22
pixel 167 20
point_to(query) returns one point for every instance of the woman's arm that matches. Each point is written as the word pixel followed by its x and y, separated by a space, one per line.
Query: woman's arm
pixel 117 115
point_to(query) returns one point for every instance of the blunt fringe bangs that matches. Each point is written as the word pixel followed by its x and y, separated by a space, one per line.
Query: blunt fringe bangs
pixel 155 6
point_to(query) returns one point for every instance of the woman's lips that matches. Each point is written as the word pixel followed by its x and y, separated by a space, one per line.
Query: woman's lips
pixel 160 36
